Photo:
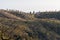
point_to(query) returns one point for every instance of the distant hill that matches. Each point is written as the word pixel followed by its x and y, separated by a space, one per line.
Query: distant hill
pixel 52 15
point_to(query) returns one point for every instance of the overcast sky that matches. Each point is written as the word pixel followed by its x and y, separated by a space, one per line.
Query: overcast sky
pixel 30 5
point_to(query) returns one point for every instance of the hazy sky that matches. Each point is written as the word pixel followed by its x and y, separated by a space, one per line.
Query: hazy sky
pixel 30 5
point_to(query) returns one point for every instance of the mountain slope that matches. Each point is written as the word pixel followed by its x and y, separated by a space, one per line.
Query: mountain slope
pixel 29 30
pixel 8 15
pixel 33 28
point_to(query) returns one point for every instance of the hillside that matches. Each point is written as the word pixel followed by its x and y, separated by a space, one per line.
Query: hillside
pixel 8 15
pixel 52 15
pixel 33 28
